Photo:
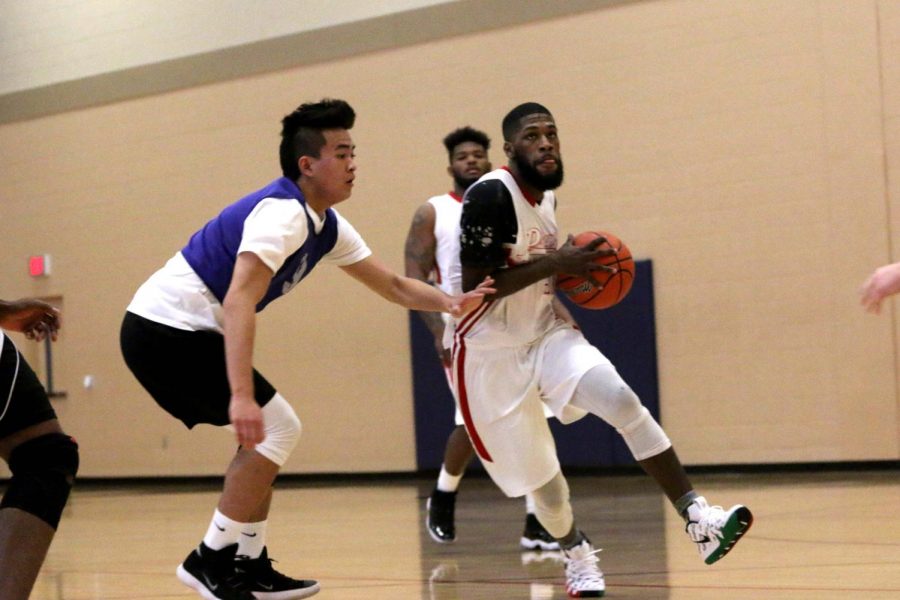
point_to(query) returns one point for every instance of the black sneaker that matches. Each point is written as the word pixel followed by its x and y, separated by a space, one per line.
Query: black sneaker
pixel 535 537
pixel 211 573
pixel 265 583
pixel 439 516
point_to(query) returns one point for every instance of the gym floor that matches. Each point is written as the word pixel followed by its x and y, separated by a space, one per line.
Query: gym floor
pixel 817 534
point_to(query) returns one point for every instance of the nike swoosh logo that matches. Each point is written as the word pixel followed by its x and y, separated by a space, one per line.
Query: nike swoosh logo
pixel 248 534
pixel 212 586
pixel 217 526
pixel 266 587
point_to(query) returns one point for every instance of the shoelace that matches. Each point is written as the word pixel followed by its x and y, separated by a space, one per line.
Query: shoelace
pixel 710 525
pixel 583 570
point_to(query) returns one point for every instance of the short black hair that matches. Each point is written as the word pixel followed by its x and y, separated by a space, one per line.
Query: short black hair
pixel 512 120
pixel 465 134
pixel 301 131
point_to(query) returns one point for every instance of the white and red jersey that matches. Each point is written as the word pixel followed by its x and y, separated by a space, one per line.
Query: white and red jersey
pixel 448 271
pixel 499 220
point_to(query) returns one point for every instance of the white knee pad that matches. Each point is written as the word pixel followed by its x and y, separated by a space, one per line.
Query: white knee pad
pixel 604 393
pixel 282 429
pixel 644 437
pixel 552 507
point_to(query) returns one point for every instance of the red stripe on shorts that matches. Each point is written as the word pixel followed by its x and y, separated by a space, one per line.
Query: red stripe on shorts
pixel 459 353
pixel 467 322
pixel 464 404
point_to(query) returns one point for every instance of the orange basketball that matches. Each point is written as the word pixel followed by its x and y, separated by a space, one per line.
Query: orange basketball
pixel 615 285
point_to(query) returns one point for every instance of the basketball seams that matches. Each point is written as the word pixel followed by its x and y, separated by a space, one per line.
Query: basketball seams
pixel 613 287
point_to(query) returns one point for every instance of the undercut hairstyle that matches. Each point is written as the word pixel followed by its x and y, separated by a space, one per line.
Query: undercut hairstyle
pixel 513 120
pixel 465 134
pixel 301 131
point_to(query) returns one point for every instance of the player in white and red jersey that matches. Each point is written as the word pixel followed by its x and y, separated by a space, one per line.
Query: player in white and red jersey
pixel 432 254
pixel 516 341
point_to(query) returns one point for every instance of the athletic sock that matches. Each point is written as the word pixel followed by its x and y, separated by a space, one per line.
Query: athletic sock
pixel 253 539
pixel 529 504
pixel 447 482
pixel 222 532
pixel 682 504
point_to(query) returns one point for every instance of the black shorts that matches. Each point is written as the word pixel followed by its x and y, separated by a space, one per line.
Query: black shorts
pixel 23 400
pixel 184 371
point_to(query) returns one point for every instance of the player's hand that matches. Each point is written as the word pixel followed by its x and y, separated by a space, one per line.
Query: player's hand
pixel 580 260
pixel 246 418
pixel 884 282
pixel 466 303
pixel 35 318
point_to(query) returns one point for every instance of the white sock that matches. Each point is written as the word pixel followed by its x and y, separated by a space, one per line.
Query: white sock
pixel 253 539
pixel 529 504
pixel 447 482
pixel 222 532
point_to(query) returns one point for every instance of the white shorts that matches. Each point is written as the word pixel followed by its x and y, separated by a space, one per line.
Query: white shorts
pixel 458 416
pixel 505 422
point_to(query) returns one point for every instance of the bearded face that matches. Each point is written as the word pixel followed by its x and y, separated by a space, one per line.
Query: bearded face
pixel 534 152
pixel 543 173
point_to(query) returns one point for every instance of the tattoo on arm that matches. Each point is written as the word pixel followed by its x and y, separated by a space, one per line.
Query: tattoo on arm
pixel 419 252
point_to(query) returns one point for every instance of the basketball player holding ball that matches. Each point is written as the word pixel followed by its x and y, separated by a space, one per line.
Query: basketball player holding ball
pixel 432 254
pixel 509 232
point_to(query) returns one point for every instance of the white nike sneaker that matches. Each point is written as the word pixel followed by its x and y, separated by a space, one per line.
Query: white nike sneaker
pixel 715 530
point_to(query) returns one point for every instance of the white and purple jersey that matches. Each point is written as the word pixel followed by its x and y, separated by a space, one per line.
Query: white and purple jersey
pixel 212 251
pixel 276 225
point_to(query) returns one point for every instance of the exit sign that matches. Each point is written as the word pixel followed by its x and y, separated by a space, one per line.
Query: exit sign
pixel 39 265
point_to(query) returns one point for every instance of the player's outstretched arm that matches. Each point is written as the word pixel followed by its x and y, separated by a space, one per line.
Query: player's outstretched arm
pixel 884 282
pixel 35 318
pixel 412 293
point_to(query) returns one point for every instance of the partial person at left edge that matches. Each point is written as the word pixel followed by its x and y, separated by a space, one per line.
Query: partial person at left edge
pixel 189 333
pixel 42 459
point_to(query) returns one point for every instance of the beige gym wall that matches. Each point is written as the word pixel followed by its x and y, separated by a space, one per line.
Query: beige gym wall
pixel 751 149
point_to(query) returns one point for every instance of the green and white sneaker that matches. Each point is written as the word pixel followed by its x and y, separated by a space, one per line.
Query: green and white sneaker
pixel 714 529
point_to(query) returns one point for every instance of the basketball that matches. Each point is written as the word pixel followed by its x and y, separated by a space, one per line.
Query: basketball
pixel 615 285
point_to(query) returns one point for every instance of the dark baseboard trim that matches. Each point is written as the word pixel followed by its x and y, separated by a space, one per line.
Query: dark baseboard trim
pixel 207 482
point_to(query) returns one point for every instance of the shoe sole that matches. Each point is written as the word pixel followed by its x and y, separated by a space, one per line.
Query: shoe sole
pixel 433 535
pixel 737 525
pixel 288 595
pixel 591 594
pixel 194 583
pixel 532 544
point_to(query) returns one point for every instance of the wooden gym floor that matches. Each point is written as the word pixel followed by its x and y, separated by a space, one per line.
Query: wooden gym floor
pixel 831 534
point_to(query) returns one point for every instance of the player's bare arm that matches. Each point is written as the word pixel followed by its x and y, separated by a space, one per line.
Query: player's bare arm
pixel 412 293
pixel 569 259
pixel 248 286
pixel 419 253
pixel 35 318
